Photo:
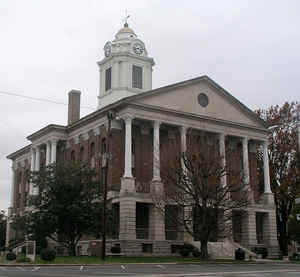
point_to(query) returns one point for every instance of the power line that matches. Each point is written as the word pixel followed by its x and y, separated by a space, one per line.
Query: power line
pixel 40 99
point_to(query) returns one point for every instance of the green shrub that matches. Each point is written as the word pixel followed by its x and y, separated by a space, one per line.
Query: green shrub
pixel 188 248
pixel 184 252
pixel 22 259
pixel 196 253
pixel 48 254
pixel 11 256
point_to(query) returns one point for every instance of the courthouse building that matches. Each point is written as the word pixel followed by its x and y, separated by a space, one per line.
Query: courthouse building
pixel 146 120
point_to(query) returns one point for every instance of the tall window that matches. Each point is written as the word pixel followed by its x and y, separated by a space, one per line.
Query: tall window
pixel 103 146
pixel 108 79
pixel 73 158
pixel 137 77
pixel 81 154
pixel 92 155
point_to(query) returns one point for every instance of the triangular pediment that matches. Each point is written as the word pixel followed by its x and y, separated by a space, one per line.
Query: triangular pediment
pixel 184 97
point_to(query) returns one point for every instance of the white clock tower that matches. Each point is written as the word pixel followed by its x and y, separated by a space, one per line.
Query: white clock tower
pixel 126 68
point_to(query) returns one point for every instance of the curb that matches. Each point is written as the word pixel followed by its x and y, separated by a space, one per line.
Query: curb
pixel 110 264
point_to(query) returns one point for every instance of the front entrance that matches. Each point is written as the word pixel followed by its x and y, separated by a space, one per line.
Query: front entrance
pixel 142 220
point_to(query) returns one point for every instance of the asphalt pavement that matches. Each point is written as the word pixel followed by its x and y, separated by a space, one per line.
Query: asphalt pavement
pixel 156 270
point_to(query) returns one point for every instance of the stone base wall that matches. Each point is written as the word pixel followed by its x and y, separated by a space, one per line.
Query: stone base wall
pixel 135 248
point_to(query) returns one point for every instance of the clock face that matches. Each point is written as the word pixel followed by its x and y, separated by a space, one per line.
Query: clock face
pixel 107 49
pixel 138 48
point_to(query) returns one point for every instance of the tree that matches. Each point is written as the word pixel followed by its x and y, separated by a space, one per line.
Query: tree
pixel 67 206
pixel 284 164
pixel 195 195
pixel 2 229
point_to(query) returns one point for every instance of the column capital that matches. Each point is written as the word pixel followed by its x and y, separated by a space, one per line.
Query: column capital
pixel 14 165
pixel 96 131
pixel 245 139
pixel 128 118
pixel 76 139
pixel 54 140
pixel 265 143
pixel 156 124
pixel 222 135
pixel 183 130
pixel 84 136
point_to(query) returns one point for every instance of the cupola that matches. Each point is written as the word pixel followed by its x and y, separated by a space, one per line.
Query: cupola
pixel 126 69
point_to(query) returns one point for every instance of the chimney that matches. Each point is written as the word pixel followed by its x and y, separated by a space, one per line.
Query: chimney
pixel 74 106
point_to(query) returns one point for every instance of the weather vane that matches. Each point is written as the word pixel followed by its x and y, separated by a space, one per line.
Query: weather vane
pixel 126 18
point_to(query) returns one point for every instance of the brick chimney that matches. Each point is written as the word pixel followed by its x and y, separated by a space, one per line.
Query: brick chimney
pixel 74 106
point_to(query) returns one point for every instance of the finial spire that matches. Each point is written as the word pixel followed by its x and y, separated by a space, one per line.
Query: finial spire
pixel 126 18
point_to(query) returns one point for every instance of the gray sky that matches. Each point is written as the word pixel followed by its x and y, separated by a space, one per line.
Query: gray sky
pixel 250 48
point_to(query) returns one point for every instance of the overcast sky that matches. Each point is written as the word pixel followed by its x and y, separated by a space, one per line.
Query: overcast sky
pixel 250 48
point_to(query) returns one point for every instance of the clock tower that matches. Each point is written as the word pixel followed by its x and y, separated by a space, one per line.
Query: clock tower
pixel 126 69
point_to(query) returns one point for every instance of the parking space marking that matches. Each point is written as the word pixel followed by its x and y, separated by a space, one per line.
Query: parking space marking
pixel 21 268
pixel 81 268
pixel 123 267
pixel 36 268
pixel 161 266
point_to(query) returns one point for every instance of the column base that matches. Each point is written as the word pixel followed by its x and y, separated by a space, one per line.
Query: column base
pixel 127 185
pixel 127 218
pixel 268 198
pixel 157 187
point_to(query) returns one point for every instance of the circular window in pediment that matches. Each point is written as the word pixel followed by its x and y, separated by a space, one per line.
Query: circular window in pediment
pixel 203 100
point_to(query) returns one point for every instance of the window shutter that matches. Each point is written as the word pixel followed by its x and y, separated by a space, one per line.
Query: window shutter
pixel 137 77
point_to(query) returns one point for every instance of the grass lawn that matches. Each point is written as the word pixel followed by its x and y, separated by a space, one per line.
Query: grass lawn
pixel 97 260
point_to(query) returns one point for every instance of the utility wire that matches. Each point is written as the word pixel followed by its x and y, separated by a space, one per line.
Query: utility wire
pixel 40 99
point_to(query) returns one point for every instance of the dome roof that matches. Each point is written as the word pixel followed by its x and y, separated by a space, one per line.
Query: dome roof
pixel 125 32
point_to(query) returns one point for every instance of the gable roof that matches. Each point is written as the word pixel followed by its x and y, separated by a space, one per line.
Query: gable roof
pixel 193 81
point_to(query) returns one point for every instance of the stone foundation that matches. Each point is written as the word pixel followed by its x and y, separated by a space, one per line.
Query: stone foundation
pixel 133 248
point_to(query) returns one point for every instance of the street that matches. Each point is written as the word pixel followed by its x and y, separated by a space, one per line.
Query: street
pixel 156 270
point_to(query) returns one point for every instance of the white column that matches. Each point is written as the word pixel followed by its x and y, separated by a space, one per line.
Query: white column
pixel 35 189
pixel 156 152
pixel 48 153
pixel 266 169
pixel 246 161
pixel 12 190
pixel 183 139
pixel 7 238
pixel 128 148
pixel 32 168
pixel 223 158
pixel 53 150
pixel 32 164
pixel 183 147
pixel 37 159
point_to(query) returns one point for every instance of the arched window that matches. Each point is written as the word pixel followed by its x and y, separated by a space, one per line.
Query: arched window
pixel 92 154
pixel 73 158
pixel 103 146
pixel 81 154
